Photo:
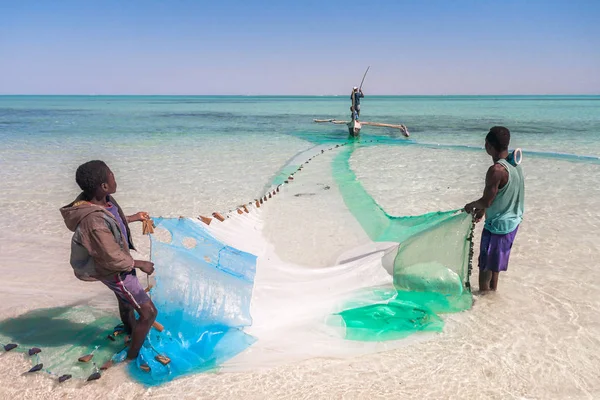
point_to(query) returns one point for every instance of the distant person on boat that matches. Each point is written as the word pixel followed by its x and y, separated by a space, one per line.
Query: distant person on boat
pixel 355 97
pixel 503 205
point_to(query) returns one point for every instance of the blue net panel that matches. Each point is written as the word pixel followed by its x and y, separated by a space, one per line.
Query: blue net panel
pixel 203 291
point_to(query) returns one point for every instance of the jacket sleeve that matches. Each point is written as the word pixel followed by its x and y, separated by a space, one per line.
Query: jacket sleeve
pixel 105 250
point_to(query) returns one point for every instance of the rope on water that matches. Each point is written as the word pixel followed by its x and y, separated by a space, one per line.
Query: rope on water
pixel 270 193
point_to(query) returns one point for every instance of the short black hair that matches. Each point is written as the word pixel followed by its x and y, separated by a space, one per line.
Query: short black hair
pixel 499 138
pixel 91 175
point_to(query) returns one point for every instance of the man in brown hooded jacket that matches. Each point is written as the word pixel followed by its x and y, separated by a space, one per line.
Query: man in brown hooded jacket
pixel 100 248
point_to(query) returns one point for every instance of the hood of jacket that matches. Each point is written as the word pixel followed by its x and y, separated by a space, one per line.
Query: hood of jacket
pixel 77 210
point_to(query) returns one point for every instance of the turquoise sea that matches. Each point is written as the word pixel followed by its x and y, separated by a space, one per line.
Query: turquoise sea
pixel 553 124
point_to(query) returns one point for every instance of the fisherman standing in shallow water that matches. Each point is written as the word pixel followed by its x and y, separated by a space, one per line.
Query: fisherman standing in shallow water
pixel 503 204
pixel 100 249
pixel 355 97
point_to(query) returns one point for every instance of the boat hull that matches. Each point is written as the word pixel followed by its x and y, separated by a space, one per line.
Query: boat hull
pixel 354 128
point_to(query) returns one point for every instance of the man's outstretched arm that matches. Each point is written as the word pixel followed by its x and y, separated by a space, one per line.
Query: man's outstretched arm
pixel 494 176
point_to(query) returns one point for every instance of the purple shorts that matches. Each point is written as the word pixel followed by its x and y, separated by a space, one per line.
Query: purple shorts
pixel 127 287
pixel 495 250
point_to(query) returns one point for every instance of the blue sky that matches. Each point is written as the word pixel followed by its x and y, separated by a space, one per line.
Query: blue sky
pixel 299 47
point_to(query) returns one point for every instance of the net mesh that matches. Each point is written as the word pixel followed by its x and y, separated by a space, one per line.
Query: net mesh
pixel 214 310
pixel 431 267
pixel 64 334
pixel 203 292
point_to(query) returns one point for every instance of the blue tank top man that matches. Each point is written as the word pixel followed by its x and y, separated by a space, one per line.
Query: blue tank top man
pixel 502 204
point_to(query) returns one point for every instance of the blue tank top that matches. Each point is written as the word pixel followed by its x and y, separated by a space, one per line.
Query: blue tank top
pixel 506 211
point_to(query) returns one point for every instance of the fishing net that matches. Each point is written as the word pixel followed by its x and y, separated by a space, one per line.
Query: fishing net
pixel 64 334
pixel 430 267
pixel 228 302
pixel 203 291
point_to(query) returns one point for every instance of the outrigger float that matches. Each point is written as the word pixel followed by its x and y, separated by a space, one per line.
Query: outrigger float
pixel 355 125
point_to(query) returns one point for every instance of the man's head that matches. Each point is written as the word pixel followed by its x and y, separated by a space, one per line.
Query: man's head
pixel 95 179
pixel 355 88
pixel 497 140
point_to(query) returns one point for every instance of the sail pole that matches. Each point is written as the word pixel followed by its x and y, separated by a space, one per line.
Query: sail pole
pixel 363 79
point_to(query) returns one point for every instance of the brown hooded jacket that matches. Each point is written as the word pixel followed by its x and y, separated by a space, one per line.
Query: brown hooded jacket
pixel 98 247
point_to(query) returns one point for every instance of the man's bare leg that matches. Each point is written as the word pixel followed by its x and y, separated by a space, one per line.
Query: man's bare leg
pixel 494 281
pixel 484 280
pixel 127 316
pixel 142 326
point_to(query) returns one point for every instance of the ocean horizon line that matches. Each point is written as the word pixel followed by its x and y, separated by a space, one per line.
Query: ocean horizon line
pixel 298 95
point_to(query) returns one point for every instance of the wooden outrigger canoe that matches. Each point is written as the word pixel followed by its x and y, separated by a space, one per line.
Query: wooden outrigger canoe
pixel 354 126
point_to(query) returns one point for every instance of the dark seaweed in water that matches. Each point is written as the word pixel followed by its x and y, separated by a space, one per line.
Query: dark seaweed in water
pixel 10 346
pixel 63 378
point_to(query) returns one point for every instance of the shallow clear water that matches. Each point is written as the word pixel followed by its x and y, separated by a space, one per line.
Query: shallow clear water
pixel 536 338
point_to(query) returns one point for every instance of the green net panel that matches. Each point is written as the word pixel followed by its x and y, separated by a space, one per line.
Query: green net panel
pixel 64 334
pixel 431 267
